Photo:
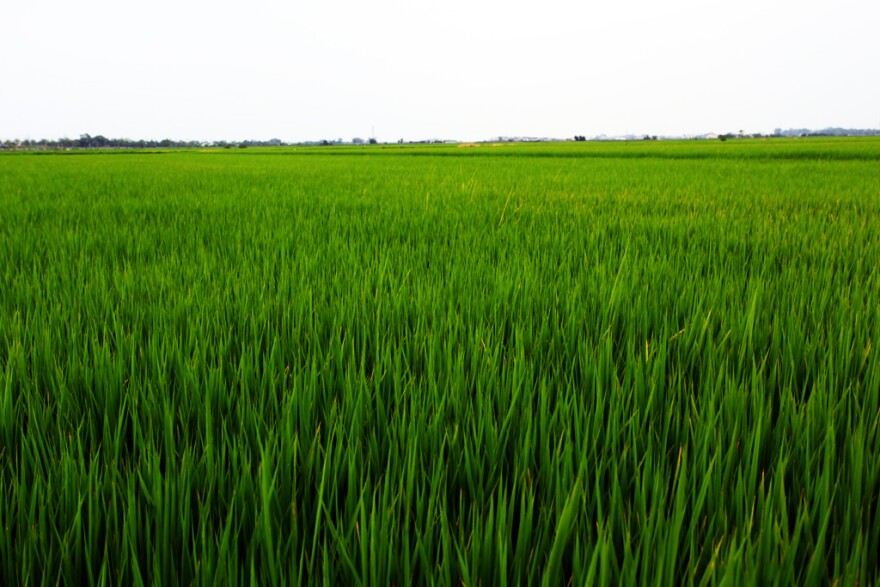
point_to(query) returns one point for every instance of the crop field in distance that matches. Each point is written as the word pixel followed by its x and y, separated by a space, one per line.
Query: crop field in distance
pixel 551 364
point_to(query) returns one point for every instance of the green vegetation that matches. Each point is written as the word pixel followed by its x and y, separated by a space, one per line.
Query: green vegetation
pixel 516 365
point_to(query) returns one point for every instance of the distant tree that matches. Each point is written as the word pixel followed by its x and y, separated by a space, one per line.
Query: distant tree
pixel 373 141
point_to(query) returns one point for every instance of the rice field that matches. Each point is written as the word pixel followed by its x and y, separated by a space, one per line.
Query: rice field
pixel 584 364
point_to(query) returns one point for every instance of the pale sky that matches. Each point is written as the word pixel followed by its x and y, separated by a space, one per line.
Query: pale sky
pixel 456 69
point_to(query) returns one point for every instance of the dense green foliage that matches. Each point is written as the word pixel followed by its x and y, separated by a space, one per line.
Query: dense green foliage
pixel 625 364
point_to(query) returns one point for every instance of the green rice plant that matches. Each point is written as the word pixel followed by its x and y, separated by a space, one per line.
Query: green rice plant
pixel 517 364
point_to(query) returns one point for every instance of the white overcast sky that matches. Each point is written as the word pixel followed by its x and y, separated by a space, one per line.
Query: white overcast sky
pixel 456 69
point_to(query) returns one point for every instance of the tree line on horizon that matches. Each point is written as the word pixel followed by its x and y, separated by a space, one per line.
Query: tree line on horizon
pixel 86 141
